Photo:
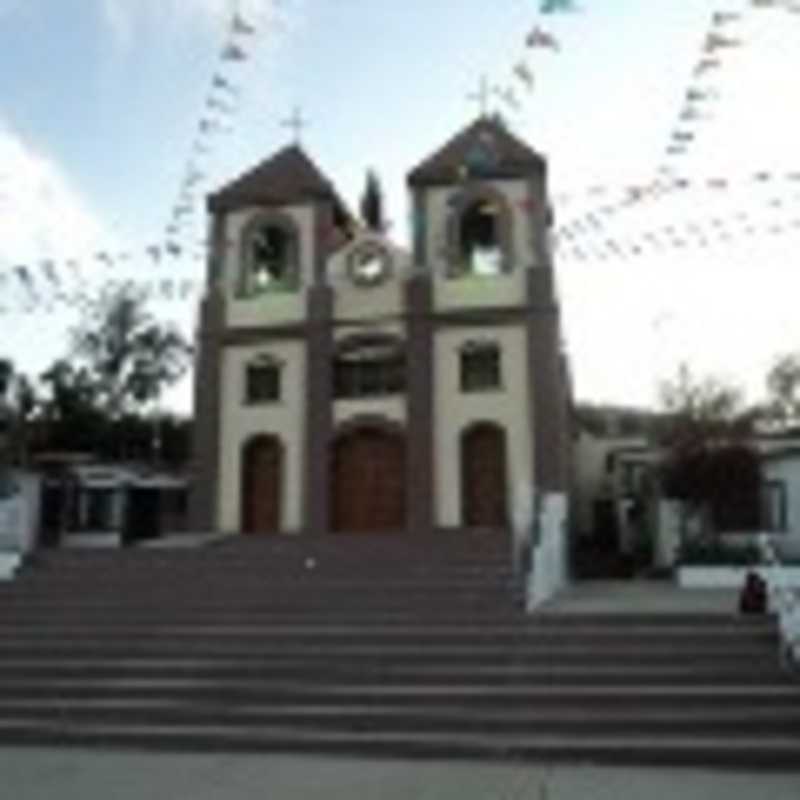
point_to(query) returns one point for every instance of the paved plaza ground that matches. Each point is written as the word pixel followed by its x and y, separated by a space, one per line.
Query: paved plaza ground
pixel 641 597
pixel 91 775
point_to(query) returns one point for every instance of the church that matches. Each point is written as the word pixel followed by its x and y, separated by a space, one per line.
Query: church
pixel 345 384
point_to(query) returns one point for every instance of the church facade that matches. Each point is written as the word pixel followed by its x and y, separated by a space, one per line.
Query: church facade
pixel 344 384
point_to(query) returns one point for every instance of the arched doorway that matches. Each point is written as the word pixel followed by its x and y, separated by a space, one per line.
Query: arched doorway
pixel 368 483
pixel 484 487
pixel 262 472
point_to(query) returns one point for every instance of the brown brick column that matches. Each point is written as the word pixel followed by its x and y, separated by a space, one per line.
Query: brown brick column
pixel 420 479
pixel 548 412
pixel 207 414
pixel 319 387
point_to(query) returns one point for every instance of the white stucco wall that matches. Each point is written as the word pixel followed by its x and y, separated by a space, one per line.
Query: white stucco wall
pixel 284 419
pixel 455 411
pixel 268 308
pixel 787 471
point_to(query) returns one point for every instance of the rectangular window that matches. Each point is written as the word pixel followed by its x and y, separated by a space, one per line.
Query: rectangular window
pixel 368 378
pixel 262 384
pixel 480 369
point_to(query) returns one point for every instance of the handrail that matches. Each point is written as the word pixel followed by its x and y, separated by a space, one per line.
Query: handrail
pixel 784 600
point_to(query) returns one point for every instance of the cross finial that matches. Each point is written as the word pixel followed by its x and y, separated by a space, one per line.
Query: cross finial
pixel 296 123
pixel 482 96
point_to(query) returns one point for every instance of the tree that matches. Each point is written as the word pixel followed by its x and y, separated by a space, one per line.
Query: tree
pixel 783 391
pixel 71 414
pixel 18 403
pixel 372 203
pixel 709 463
pixel 130 356
pixel 6 374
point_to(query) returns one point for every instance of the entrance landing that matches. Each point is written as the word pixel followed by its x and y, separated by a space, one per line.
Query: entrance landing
pixel 640 597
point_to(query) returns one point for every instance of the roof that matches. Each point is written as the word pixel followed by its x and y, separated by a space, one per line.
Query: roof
pixel 287 177
pixel 485 146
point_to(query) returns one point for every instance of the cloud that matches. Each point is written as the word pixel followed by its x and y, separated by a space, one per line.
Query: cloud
pixel 40 213
pixel 128 19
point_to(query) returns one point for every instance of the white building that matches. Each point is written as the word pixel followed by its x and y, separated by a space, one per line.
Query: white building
pixel 344 384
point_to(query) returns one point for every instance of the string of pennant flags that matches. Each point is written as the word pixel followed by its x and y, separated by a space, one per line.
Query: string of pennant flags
pixel 672 237
pixel 45 284
pixel 48 283
pixel 720 40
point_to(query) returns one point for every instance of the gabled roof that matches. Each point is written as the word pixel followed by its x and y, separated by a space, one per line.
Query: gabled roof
pixel 486 148
pixel 287 177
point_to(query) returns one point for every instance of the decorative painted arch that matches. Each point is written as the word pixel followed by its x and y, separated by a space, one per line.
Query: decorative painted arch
pixel 287 225
pixel 263 459
pixel 484 475
pixel 460 204
pixel 353 344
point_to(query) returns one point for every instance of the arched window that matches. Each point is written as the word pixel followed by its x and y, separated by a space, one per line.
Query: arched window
pixel 270 257
pixel 480 237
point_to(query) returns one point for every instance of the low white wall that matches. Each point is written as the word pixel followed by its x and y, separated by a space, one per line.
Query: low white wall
pixel 668 534
pixel 733 577
pixel 20 514
pixel 9 564
pixel 94 540
pixel 550 572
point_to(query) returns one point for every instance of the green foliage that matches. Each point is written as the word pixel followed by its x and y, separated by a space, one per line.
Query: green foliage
pixel 783 391
pixel 709 464
pixel 372 203
pixel 130 356
pixel 715 553
pixel 6 372
pixel 93 400
pixel 702 410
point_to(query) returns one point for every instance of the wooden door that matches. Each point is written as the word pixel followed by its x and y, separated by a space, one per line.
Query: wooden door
pixel 483 477
pixel 262 467
pixel 368 485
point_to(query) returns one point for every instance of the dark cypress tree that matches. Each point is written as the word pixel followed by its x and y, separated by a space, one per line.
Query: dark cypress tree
pixel 372 203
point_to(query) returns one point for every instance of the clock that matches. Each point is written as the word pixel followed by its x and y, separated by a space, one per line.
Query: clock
pixel 369 264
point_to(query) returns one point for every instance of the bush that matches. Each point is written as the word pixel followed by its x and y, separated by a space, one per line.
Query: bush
pixel 714 553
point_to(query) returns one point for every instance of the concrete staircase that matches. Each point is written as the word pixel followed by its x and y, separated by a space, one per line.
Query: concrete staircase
pixel 380 646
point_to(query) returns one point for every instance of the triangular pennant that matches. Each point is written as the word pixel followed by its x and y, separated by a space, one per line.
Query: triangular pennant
pixel 221 82
pixel 508 96
pixel 706 65
pixel 525 74
pixel 557 6
pixel 49 269
pixel 240 26
pixel 721 18
pixel 716 42
pixel 233 52
pixel 540 39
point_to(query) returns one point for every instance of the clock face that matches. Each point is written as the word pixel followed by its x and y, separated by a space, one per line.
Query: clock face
pixel 369 265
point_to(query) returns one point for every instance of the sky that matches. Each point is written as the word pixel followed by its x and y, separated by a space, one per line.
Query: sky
pixel 99 112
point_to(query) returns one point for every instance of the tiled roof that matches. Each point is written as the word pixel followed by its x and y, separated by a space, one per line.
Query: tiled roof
pixel 485 147
pixel 287 177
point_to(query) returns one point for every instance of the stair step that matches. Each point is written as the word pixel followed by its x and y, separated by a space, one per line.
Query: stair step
pixel 757 751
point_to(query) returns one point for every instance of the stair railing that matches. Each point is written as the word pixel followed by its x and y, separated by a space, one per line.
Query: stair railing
pixel 784 600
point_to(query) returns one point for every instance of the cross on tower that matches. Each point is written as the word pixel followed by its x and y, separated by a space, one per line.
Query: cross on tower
pixel 482 96
pixel 296 123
